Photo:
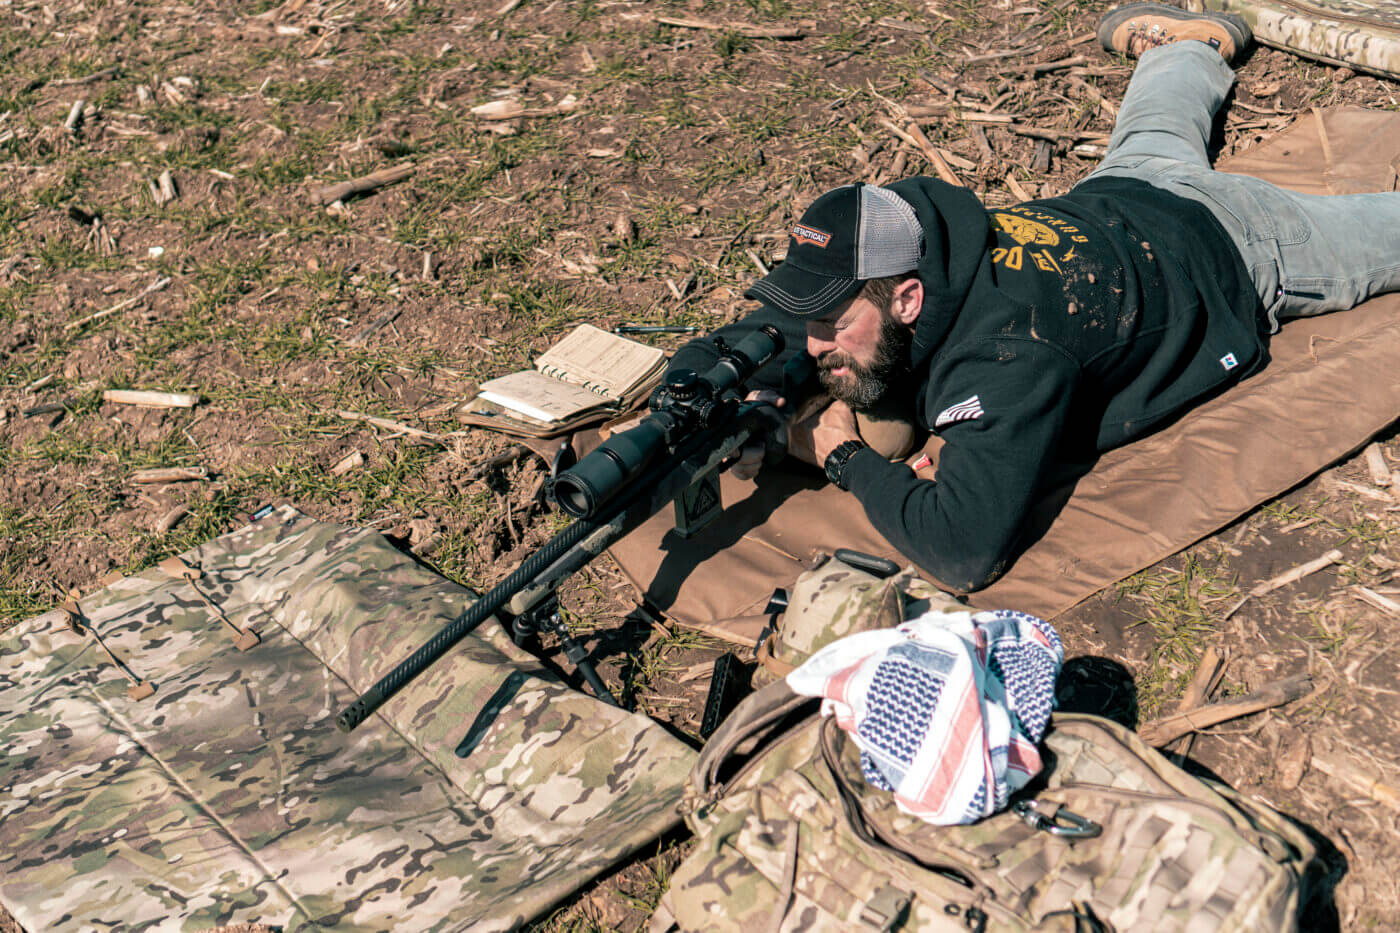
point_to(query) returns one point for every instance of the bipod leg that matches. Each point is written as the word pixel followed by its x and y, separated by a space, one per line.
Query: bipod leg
pixel 578 656
pixel 526 628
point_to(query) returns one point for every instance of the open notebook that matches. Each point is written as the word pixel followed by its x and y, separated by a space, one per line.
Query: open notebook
pixel 588 376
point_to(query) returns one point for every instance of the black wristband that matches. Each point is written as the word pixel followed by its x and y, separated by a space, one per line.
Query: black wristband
pixel 836 461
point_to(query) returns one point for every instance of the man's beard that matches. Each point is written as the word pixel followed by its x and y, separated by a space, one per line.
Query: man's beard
pixel 865 385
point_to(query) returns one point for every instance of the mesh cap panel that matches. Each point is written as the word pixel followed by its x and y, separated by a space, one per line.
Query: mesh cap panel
pixel 890 240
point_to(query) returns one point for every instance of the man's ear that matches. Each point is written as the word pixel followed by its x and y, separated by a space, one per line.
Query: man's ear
pixel 908 301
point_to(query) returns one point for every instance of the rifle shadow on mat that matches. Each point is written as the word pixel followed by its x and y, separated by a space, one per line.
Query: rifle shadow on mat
pixel 770 489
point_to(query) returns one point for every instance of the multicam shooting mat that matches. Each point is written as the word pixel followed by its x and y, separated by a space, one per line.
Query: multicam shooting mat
pixel 1331 386
pixel 229 796
pixel 1361 34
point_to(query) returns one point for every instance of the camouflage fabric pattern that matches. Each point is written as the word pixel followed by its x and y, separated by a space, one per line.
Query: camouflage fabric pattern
pixel 835 600
pixel 1174 853
pixel 1363 35
pixel 229 795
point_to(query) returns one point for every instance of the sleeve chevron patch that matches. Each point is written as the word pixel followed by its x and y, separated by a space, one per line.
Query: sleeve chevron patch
pixel 966 410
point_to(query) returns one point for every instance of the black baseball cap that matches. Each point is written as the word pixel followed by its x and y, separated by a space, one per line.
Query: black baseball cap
pixel 847 236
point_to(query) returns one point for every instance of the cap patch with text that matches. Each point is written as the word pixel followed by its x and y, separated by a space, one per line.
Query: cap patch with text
pixel 804 234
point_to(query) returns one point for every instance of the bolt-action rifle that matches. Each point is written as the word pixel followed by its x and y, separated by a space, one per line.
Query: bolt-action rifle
pixel 695 424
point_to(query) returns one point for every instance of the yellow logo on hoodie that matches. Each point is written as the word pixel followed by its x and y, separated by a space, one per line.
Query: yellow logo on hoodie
pixel 1034 234
pixel 1025 231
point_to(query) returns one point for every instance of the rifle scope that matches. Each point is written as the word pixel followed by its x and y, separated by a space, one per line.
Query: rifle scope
pixel 684 403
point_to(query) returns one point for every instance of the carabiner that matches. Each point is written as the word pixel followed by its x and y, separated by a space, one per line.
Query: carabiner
pixel 1063 823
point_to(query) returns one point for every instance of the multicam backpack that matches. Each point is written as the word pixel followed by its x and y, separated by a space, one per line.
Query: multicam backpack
pixel 1110 836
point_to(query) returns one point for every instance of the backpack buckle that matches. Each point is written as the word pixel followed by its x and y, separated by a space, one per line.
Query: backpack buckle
pixel 1063 823
pixel 886 908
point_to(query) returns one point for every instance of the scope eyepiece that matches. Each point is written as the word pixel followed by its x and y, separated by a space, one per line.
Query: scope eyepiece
pixel 739 362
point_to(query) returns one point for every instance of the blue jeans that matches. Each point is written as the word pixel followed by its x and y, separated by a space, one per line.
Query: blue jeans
pixel 1307 254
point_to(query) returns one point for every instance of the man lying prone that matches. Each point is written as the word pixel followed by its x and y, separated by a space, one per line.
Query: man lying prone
pixel 1034 337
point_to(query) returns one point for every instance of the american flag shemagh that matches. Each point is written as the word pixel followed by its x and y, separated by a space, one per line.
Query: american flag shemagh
pixel 947 709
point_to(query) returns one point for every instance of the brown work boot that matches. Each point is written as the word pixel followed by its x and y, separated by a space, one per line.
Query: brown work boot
pixel 1137 27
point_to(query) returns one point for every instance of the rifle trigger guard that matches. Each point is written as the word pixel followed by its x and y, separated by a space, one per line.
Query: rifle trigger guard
pixel 1063 823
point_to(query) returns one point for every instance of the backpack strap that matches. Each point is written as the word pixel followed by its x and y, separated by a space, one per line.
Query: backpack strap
pixel 780 908
pixel 764 653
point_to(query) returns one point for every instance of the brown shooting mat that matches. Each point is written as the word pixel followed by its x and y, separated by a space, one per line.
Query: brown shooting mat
pixel 1333 383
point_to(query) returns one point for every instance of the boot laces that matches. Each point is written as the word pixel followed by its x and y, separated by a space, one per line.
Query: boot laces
pixel 1142 37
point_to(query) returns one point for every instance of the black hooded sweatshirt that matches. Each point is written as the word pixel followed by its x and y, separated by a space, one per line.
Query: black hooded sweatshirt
pixel 1050 331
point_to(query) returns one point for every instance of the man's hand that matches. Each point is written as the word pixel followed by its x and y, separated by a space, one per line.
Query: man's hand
pixel 814 438
pixel 768 446
pixel 811 439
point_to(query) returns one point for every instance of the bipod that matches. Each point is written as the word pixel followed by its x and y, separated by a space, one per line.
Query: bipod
pixel 543 617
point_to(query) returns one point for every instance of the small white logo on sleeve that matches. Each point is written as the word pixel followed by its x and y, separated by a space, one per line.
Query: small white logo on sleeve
pixel 963 411
pixel 1229 361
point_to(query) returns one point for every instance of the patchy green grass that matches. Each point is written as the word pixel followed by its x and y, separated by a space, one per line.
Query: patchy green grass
pixel 1181 607
pixel 22 596
pixel 632 893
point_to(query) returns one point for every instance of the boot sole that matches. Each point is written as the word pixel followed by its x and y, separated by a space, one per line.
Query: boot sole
pixel 1238 29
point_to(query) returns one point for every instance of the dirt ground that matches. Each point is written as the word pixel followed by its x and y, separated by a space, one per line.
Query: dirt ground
pixel 603 161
